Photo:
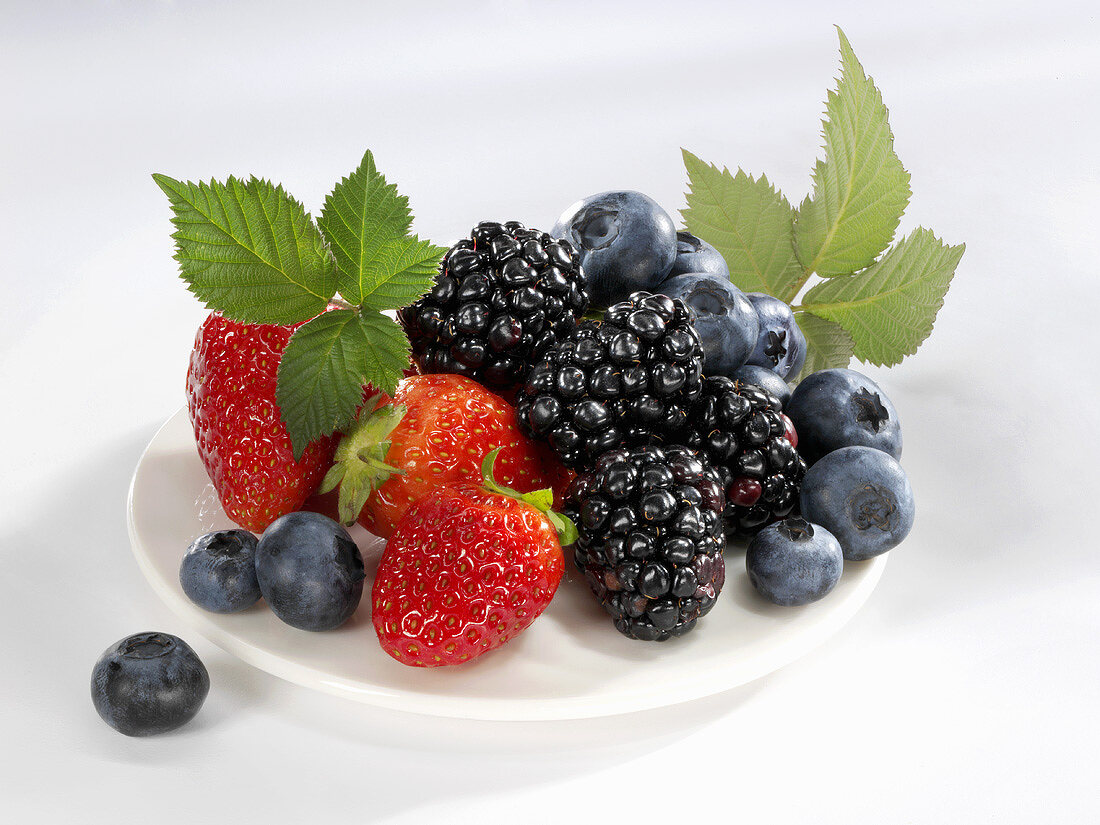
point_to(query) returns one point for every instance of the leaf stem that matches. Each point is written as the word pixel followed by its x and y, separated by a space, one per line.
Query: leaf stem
pixel 340 302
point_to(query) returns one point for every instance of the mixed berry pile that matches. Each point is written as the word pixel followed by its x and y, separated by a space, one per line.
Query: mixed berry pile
pixel 602 388
pixel 610 370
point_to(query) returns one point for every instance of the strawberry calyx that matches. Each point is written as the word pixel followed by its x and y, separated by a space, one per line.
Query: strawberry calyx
pixel 359 463
pixel 541 500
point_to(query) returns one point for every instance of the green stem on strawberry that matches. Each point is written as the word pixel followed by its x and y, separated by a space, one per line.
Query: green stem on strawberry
pixel 595 314
pixel 360 466
pixel 541 500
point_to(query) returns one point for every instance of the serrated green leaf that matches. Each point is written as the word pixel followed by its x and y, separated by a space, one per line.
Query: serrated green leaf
pixel 387 355
pixel 360 216
pixel 321 377
pixel 250 250
pixel 890 307
pixel 748 221
pixel 828 345
pixel 401 272
pixel 326 365
pixel 860 188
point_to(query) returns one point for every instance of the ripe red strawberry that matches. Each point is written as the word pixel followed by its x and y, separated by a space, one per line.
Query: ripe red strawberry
pixel 241 439
pixel 467 569
pixel 436 430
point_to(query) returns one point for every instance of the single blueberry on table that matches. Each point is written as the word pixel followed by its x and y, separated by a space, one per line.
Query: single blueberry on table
pixel 794 562
pixel 627 243
pixel 696 255
pixel 149 683
pixel 723 317
pixel 781 346
pixel 763 377
pixel 863 497
pixel 842 408
pixel 310 571
pixel 218 572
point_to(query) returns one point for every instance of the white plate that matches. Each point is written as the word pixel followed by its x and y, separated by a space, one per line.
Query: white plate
pixel 569 664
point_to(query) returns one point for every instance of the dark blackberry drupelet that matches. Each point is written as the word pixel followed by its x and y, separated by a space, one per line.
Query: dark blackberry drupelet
pixel 741 430
pixel 650 538
pixel 502 298
pixel 616 382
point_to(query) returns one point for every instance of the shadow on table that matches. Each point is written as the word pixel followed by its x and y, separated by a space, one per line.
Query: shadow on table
pixel 69 566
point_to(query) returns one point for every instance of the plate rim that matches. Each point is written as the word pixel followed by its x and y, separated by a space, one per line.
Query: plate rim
pixel 485 709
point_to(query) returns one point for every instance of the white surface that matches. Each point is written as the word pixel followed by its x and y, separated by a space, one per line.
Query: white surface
pixel 965 690
pixel 570 664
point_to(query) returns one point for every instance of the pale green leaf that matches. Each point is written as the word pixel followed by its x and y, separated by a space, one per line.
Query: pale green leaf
pixel 860 188
pixel 360 216
pixel 250 250
pixel 890 307
pixel 748 221
pixel 402 271
pixel 828 346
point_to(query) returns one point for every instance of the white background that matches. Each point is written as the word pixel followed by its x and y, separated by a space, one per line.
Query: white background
pixel 965 691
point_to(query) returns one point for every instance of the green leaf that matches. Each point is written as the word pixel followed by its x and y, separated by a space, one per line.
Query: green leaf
pixel 387 355
pixel 250 250
pixel 567 530
pixel 401 272
pixel 542 500
pixel 320 381
pixel 828 345
pixel 748 221
pixel 361 215
pixel 890 307
pixel 861 188
pixel 327 363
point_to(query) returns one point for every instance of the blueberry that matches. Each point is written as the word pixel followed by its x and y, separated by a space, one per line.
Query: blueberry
pixel 310 571
pixel 724 318
pixel 218 572
pixel 696 255
pixel 781 346
pixel 794 562
pixel 148 683
pixel 861 496
pixel 765 378
pixel 841 408
pixel 626 242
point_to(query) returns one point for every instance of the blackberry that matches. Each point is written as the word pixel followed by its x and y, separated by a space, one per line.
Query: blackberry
pixel 616 382
pixel 741 430
pixel 501 299
pixel 650 538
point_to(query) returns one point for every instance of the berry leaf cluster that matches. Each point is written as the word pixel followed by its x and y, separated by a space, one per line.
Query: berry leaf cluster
pixel 872 300
pixel 889 307
pixel 249 250
pixel 748 221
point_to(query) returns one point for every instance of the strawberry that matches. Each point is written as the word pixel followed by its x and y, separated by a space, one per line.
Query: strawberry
pixel 558 476
pixel 436 430
pixel 467 569
pixel 241 438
